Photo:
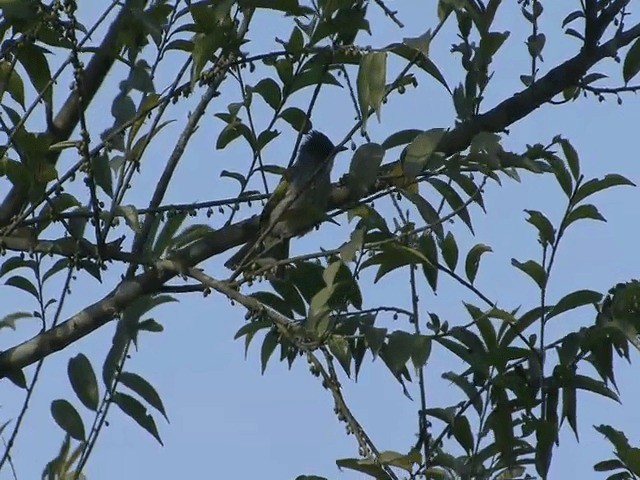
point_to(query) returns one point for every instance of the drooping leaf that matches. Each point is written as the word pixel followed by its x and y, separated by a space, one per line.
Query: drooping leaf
pixel 83 380
pixel 631 65
pixel 143 388
pixel 533 269
pixel 472 262
pixel 546 232
pixel 596 185
pixel 573 300
pixel 68 418
pixel 269 90
pixel 364 167
pixel 23 284
pixel 449 249
pixel 269 344
pixel 138 412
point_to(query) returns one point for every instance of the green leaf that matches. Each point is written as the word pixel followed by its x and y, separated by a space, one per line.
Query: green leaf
pixel 17 378
pixel 375 338
pixel 418 153
pixel 130 216
pixel 595 185
pixel 32 58
pixel 268 346
pixel 319 308
pixel 419 59
pixel 269 90
pixel 16 262
pixel 348 250
pixel 166 235
pixel 232 132
pixel 587 211
pixel 250 329
pixel 427 212
pixel 297 119
pixel 395 459
pixel 12 82
pixel 138 412
pixel 631 65
pixel 461 429
pixel 296 42
pixel 204 46
pixel 364 167
pixel 453 199
pixel 123 108
pixel 139 78
pixel 339 347
pixel 23 284
pixel 421 350
pixel 394 257
pixel 490 43
pixel 289 294
pixel 545 229
pixel 371 82
pixel 402 137
pixel 572 158
pixel 472 261
pixel 83 381
pixel 573 300
pixel 9 320
pixel 307 277
pixel 68 419
pixel 533 269
pixel 273 301
pixel 398 349
pixel 236 176
pixel 150 325
pixel 467 387
pixel 449 249
pixel 143 388
pixel 569 408
pixel 561 173
pixel 420 43
pixel 102 173
pixel 367 466
pixel 265 137
pixel 312 76
pixel 428 248
pixel 545 436
pixel 607 465
pixel 589 384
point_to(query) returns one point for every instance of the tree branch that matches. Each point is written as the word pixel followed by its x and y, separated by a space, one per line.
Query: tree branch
pixel 497 119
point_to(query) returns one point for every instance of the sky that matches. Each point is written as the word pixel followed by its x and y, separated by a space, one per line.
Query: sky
pixel 229 421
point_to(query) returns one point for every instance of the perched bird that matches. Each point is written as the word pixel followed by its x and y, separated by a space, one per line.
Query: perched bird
pixel 296 205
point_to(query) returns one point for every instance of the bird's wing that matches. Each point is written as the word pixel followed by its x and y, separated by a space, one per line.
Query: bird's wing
pixel 275 198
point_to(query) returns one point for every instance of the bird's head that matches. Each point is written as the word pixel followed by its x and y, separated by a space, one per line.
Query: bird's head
pixel 319 146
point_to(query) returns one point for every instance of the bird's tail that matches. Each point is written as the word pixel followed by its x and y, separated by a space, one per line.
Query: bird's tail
pixel 277 251
pixel 239 257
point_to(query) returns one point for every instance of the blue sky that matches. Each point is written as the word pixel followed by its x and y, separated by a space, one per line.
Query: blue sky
pixel 229 421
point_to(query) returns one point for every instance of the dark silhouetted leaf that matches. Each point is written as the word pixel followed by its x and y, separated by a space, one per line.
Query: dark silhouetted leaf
pixel 83 380
pixel 68 418
pixel 138 412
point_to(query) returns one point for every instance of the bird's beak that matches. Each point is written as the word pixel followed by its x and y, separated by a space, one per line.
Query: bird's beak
pixel 342 149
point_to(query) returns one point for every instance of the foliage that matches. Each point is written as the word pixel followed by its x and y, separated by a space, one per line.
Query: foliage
pixel 521 381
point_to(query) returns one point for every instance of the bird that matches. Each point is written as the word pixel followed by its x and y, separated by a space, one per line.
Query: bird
pixel 297 204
